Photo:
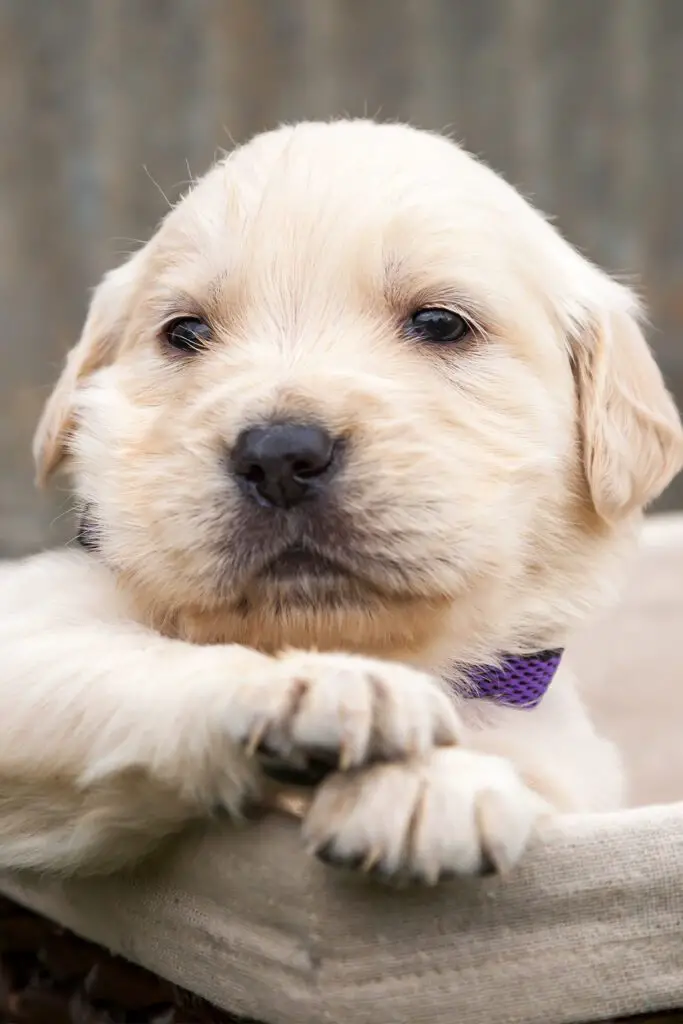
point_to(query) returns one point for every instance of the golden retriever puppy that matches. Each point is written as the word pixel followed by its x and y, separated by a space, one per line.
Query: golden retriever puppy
pixel 358 440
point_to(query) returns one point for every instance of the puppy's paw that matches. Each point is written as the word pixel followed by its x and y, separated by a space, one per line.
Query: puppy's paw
pixel 341 711
pixel 455 812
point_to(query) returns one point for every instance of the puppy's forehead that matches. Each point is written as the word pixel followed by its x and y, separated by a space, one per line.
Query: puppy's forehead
pixel 350 158
pixel 331 181
pixel 345 208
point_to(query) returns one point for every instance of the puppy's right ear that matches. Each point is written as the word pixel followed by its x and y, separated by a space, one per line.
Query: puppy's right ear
pixel 96 348
pixel 632 437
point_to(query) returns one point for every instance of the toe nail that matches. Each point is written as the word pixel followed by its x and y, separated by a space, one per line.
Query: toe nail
pixel 328 855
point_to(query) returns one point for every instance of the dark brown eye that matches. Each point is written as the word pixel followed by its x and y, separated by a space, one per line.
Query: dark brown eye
pixel 439 326
pixel 187 334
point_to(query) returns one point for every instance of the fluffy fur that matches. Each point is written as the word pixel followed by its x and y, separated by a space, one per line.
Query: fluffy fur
pixel 489 494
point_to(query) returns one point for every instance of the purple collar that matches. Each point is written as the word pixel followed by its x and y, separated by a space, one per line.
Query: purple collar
pixel 519 681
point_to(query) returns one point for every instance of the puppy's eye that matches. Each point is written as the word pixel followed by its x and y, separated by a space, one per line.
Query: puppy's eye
pixel 440 326
pixel 187 334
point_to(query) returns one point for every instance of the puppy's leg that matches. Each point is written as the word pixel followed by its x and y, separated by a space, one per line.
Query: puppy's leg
pixel 111 736
pixel 557 750
pixel 468 810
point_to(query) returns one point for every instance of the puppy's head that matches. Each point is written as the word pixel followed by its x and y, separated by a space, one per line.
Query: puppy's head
pixel 356 393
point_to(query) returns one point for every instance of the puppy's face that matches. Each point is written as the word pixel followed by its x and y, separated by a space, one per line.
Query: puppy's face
pixel 356 393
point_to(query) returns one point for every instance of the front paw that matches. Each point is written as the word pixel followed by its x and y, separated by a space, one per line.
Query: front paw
pixel 317 712
pixel 454 812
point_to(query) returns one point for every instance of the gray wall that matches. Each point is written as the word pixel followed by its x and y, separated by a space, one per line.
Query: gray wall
pixel 579 102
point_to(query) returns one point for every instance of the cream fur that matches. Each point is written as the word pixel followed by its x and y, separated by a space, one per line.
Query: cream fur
pixel 490 495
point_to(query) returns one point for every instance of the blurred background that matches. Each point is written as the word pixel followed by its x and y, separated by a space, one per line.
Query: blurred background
pixel 107 105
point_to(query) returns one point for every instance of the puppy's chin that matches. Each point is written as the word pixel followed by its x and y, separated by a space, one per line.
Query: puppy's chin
pixel 300 579
pixel 321 608
pixel 297 595
pixel 306 592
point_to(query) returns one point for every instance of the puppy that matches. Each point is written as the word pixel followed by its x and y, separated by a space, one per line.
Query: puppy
pixel 358 441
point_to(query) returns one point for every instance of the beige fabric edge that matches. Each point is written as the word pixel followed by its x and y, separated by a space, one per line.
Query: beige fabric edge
pixel 590 926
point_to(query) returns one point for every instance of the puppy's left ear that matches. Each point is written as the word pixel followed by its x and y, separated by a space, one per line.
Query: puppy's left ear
pixel 96 348
pixel 632 437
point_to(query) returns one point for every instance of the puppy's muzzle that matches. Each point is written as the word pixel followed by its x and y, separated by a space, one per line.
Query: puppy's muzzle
pixel 282 465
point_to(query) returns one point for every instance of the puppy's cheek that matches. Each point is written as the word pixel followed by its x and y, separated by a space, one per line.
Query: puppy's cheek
pixel 158 515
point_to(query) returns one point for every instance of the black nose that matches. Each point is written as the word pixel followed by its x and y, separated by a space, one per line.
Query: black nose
pixel 283 464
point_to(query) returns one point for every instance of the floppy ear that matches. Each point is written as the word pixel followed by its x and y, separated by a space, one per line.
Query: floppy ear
pixel 96 348
pixel 631 431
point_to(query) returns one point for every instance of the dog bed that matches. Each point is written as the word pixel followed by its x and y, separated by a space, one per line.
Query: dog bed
pixel 589 927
